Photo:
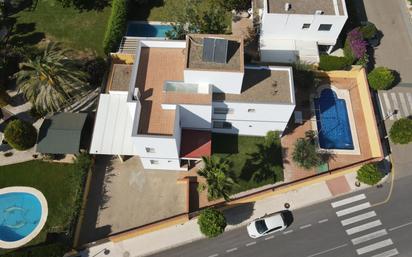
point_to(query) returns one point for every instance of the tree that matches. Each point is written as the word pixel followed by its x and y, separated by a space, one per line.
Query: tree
pixel 401 131
pixel 305 154
pixel 381 78
pixel 116 26
pixel 369 174
pixel 237 5
pixel 211 222
pixel 49 81
pixel 218 177
pixel 20 135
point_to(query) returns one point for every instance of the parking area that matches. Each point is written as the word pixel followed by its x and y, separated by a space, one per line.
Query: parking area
pixel 124 196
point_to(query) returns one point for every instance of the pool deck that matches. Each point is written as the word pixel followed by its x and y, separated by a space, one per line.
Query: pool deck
pixel 369 144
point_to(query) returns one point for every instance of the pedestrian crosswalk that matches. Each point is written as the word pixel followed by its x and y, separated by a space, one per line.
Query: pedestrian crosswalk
pixel 399 101
pixel 364 227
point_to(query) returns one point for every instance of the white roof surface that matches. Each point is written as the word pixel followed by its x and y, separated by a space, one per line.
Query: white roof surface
pixel 113 126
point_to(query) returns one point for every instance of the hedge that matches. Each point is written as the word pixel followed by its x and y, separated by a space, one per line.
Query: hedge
pixel 49 250
pixel 20 135
pixel 368 30
pixel 328 63
pixel 211 222
pixel 369 174
pixel 116 26
pixel 401 131
pixel 381 78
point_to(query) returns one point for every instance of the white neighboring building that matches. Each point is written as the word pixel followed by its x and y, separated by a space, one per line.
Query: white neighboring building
pixel 165 105
pixel 292 30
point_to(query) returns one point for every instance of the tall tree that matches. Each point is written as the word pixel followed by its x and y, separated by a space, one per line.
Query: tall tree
pixel 51 80
pixel 219 179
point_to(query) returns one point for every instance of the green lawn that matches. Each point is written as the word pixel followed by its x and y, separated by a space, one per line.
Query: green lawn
pixel 248 156
pixel 60 184
pixel 78 30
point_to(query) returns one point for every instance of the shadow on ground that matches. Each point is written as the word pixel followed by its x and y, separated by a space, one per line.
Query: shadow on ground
pixel 239 213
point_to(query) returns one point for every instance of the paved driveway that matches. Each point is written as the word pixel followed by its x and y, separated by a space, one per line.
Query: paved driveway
pixel 125 196
pixel 395 50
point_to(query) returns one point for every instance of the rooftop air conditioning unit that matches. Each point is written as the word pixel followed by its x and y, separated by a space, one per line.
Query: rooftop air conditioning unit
pixel 287 6
pixel 318 12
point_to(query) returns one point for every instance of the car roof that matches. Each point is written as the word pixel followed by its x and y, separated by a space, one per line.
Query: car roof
pixel 274 220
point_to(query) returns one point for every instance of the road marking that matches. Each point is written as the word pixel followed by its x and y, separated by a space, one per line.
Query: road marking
pixel 231 250
pixel 287 232
pixel 374 246
pixel 269 237
pixel 400 226
pixel 409 96
pixel 251 243
pixel 389 253
pixel 322 221
pixel 214 255
pixel 353 209
pixel 363 227
pixel 306 226
pixel 368 237
pixel 388 105
pixel 395 104
pixel 403 104
pixel 348 200
pixel 329 250
pixel 358 218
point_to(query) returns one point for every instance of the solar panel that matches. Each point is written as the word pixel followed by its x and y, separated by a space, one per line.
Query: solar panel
pixel 215 50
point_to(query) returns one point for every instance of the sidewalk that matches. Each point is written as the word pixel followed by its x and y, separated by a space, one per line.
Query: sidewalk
pixel 236 216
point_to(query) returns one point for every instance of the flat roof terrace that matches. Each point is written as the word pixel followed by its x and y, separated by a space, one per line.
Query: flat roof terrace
pixel 194 60
pixel 262 85
pixel 156 65
pixel 306 7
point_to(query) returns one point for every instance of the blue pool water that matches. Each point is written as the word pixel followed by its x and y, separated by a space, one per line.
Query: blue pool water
pixel 20 214
pixel 333 122
pixel 135 29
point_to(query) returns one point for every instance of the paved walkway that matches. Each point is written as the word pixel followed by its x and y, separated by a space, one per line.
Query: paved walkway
pixel 236 217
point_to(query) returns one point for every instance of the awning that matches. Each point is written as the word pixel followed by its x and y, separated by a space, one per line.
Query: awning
pixel 61 134
pixel 195 144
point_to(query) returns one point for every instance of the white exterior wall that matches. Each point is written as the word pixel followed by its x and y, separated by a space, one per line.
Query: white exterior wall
pixel 252 128
pixel 196 116
pixel 222 81
pixel 163 164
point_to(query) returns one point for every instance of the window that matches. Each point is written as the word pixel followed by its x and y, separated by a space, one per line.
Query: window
pixel 251 110
pixel 154 162
pixel 222 124
pixel 150 150
pixel 325 27
pixel 218 110
pixel 306 25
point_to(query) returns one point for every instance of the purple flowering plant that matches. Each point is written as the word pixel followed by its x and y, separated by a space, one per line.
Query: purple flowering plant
pixel 356 42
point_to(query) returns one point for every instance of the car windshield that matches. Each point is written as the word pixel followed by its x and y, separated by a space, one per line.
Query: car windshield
pixel 261 226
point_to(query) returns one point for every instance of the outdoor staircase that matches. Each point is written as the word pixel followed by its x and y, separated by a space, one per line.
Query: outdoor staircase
pixel 128 45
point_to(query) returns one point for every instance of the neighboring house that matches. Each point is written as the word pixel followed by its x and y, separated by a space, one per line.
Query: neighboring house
pixel 164 102
pixel 293 30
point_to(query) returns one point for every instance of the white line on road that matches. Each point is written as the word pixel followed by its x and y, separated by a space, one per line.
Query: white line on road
pixel 322 221
pixel 368 237
pixel 389 253
pixel 358 218
pixel 374 246
pixel 348 200
pixel 388 105
pixel 403 104
pixel 287 232
pixel 363 227
pixel 231 250
pixel 329 250
pixel 269 237
pixel 353 209
pixel 395 104
pixel 214 255
pixel 409 97
pixel 251 243
pixel 306 226
pixel 400 226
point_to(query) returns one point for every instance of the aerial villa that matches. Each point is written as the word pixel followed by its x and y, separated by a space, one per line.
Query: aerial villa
pixel 163 102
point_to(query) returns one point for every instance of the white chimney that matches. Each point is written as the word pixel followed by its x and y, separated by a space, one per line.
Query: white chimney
pixel 287 6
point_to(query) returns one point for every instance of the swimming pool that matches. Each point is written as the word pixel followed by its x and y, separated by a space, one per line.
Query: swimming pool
pixel 139 29
pixel 23 213
pixel 332 121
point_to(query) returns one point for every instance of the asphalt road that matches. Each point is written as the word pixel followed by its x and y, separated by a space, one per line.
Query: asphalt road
pixel 318 231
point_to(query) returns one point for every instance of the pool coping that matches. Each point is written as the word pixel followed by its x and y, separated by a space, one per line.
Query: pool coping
pixel 341 94
pixel 151 23
pixel 40 225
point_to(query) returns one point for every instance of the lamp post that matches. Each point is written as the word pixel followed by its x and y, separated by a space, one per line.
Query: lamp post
pixel 390 114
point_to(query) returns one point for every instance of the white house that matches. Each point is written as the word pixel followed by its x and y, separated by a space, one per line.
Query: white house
pixel 165 104
pixel 294 30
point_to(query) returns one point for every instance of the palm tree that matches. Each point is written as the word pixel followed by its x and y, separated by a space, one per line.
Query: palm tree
pixel 218 177
pixel 50 80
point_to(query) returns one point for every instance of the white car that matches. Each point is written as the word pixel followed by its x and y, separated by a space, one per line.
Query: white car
pixel 266 225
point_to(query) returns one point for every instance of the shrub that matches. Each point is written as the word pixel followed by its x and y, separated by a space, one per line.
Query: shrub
pixel 381 78
pixel 83 161
pixel 305 154
pixel 237 5
pixel 4 97
pixel 355 46
pixel 21 135
pixel 96 68
pixel 369 174
pixel 49 250
pixel 36 113
pixel 116 26
pixel 328 63
pixel 211 222
pixel 363 61
pixel 401 131
pixel 368 30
